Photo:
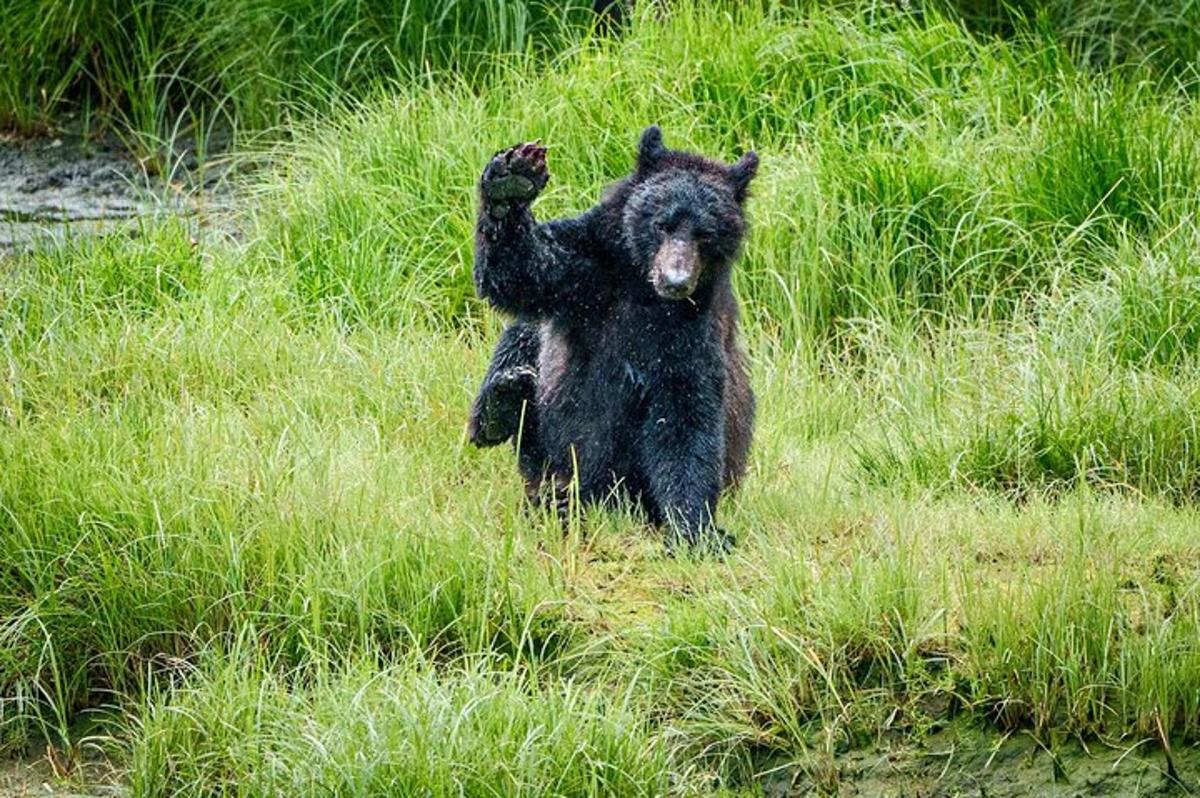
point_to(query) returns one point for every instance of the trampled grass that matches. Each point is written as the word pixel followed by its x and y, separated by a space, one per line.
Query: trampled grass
pixel 240 520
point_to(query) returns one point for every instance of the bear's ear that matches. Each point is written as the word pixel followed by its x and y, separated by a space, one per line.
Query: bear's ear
pixel 741 173
pixel 650 148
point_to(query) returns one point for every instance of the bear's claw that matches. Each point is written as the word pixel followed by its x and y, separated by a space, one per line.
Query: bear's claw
pixel 517 174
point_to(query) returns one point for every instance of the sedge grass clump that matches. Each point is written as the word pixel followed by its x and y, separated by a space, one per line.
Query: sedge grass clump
pixel 410 729
pixel 65 285
pixel 1020 414
pixel 812 656
pixel 1096 645
pixel 917 234
pixel 167 67
pixel 1112 157
pixel 127 551
pixel 1098 33
pixel 1144 310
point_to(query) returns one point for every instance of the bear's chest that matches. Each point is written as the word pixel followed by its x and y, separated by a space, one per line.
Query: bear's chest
pixel 620 355
pixel 598 365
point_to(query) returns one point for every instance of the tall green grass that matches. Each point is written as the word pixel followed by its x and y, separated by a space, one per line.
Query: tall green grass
pixel 914 169
pixel 1100 34
pixel 166 70
pixel 169 71
pixel 239 515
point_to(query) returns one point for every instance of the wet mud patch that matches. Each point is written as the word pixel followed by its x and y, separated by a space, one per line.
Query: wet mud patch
pixel 44 776
pixel 967 763
pixel 55 187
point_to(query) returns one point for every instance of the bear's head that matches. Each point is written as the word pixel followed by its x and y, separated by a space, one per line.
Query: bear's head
pixel 682 218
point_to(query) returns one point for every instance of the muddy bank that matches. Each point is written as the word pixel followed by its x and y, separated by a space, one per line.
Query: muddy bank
pixel 27 779
pixel 967 763
pixel 48 773
pixel 55 187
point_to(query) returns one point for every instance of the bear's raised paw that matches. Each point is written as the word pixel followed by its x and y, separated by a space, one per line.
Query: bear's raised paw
pixel 514 176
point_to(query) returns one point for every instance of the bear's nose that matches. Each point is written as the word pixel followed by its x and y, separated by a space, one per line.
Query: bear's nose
pixel 676 267
pixel 675 281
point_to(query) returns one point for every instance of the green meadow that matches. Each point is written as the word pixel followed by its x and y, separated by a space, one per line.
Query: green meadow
pixel 246 549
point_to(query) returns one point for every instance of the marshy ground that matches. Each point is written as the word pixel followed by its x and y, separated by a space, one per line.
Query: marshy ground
pixel 71 184
pixel 245 548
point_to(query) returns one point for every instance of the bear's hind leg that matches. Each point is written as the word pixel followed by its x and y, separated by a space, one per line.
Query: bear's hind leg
pixel 509 386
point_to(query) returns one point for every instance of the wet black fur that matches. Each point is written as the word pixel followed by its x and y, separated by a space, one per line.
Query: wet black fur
pixel 624 389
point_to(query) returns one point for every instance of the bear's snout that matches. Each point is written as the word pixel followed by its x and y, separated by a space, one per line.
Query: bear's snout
pixel 676 268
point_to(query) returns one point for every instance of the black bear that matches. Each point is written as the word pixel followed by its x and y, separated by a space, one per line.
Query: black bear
pixel 623 371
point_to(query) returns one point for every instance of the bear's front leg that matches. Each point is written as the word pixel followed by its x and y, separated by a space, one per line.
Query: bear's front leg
pixel 530 270
pixel 681 452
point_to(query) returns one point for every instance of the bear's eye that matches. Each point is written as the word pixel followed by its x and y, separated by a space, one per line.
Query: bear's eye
pixel 659 226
